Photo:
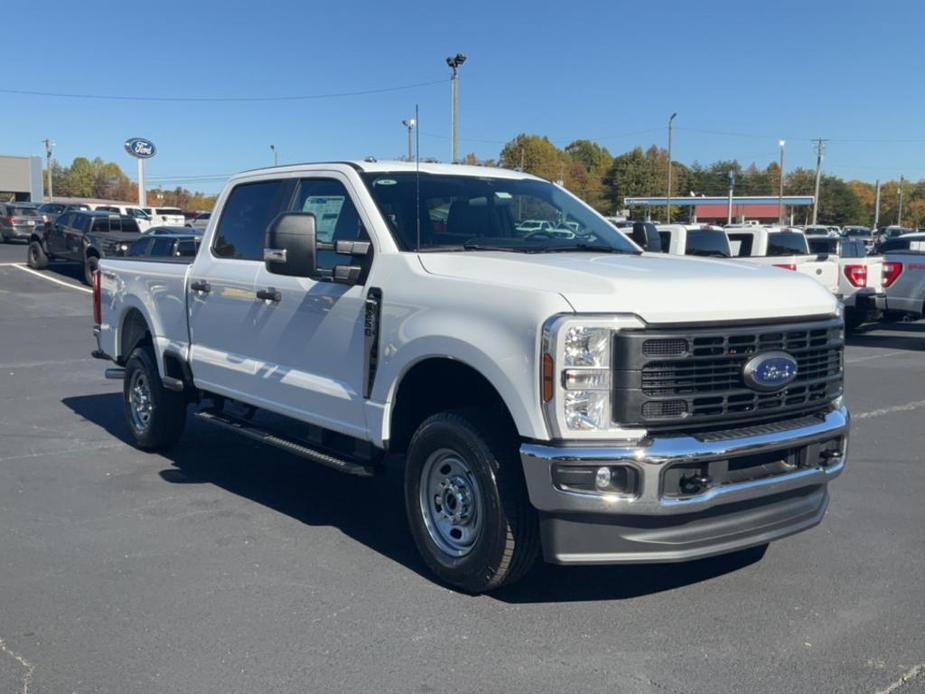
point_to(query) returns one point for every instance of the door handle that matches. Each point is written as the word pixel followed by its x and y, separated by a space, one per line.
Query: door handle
pixel 200 286
pixel 269 294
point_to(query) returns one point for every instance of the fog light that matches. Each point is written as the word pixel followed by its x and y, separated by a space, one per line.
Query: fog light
pixel 602 478
pixel 606 479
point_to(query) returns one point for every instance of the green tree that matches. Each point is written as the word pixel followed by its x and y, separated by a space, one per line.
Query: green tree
pixel 80 178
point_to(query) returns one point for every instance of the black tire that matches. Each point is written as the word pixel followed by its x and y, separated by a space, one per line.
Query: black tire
pixel 91 265
pixel 35 256
pixel 165 416
pixel 853 320
pixel 506 543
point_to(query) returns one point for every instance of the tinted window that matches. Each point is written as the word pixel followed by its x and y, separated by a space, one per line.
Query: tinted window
pixel 21 211
pixel 80 222
pixel 823 245
pixel 101 224
pixel 128 225
pixel 186 249
pixel 336 217
pixel 168 210
pixel 66 219
pixel 162 246
pixel 139 248
pixel 108 209
pixel 248 211
pixel 665 236
pixel 741 245
pixel 786 243
pixel 709 243
pixel 899 245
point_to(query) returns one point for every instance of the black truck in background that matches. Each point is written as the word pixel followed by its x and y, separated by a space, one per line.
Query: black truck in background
pixel 82 237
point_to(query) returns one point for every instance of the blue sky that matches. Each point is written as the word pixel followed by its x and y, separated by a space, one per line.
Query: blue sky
pixel 741 75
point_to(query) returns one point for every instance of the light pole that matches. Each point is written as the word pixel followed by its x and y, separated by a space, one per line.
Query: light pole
pixel 820 150
pixel 410 124
pixel 454 63
pixel 899 214
pixel 732 183
pixel 668 197
pixel 49 145
pixel 780 195
pixel 275 155
pixel 877 207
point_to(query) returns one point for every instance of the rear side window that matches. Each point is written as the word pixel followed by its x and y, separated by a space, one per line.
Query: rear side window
pixel 666 240
pixel 248 211
pixel 741 245
pixel 825 246
pixel 162 246
pixel 708 243
pixel 787 243
pixel 186 249
pixel 101 224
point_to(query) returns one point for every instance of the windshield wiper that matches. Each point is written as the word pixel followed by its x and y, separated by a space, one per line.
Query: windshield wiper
pixel 579 248
pixel 469 247
pixel 707 254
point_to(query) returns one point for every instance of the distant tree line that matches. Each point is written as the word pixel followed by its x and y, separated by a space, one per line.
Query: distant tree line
pixel 604 181
pixel 86 178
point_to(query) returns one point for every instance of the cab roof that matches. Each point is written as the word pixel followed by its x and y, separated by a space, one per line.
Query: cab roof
pixel 390 166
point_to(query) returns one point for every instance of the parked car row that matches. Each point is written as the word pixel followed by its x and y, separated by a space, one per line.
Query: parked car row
pixel 864 279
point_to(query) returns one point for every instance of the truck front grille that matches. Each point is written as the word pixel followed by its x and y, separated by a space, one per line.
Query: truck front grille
pixel 685 379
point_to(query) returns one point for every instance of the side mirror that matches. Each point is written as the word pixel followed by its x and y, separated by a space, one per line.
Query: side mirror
pixel 289 246
pixel 646 235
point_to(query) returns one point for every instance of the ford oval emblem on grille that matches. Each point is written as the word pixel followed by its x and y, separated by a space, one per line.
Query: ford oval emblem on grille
pixel 769 371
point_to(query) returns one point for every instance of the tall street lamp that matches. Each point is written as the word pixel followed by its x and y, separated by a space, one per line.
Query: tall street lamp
pixel 668 197
pixel 275 155
pixel 49 145
pixel 454 62
pixel 410 124
pixel 780 195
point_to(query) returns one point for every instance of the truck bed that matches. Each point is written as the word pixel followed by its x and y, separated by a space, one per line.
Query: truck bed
pixel 156 288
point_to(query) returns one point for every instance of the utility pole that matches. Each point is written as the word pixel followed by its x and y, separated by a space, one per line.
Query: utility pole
pixel 820 148
pixel 410 124
pixel 454 63
pixel 732 184
pixel 275 155
pixel 668 197
pixel 780 194
pixel 49 145
pixel 899 215
pixel 877 207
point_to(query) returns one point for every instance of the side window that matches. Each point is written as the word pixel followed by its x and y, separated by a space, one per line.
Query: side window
pixel 100 224
pixel 741 245
pixel 81 223
pixel 665 236
pixel 248 211
pixel 336 217
pixel 185 249
pixel 162 246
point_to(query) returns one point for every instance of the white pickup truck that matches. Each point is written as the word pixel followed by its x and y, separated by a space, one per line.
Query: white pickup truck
pixel 783 248
pixel 860 278
pixel 546 392
pixel 904 274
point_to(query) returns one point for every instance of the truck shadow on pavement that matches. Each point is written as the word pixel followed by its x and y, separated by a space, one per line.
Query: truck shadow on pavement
pixel 911 336
pixel 371 510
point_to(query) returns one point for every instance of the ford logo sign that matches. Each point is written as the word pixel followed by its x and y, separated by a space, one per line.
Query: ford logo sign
pixel 140 147
pixel 769 371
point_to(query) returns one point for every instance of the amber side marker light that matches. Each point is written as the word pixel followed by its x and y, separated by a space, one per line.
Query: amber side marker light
pixel 548 377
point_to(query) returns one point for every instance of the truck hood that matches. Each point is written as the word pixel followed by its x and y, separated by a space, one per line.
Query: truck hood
pixel 656 287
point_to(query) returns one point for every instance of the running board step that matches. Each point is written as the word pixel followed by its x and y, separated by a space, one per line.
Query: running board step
pixel 300 449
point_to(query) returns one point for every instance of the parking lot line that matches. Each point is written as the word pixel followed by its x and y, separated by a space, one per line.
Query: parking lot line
pixel 890 410
pixel 47 277
pixel 874 356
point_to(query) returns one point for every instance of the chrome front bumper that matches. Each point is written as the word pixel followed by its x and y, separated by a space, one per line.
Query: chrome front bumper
pixel 650 525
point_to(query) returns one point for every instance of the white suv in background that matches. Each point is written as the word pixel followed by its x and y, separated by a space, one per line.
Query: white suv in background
pixel 139 215
pixel 171 216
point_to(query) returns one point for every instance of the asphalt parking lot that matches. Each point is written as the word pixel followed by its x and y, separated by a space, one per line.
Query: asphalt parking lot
pixel 229 567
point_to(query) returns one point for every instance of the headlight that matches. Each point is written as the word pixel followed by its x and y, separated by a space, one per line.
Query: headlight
pixel 577 374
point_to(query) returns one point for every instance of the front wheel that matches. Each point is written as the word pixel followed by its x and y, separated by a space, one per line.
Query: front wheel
pixel 36 257
pixel 467 503
pixel 156 416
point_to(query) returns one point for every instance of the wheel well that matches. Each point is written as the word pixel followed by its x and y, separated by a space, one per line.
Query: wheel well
pixel 92 253
pixel 437 385
pixel 134 332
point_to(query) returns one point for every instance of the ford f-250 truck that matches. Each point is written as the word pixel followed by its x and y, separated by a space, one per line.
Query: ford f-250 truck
pixel 555 392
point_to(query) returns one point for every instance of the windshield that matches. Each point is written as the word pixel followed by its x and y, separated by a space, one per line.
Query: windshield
pixel 787 243
pixel 708 243
pixel 483 213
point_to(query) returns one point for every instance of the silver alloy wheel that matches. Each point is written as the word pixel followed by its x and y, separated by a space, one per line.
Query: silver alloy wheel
pixel 451 502
pixel 140 402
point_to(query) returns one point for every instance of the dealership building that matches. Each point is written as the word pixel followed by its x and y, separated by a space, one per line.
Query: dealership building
pixel 764 209
pixel 21 179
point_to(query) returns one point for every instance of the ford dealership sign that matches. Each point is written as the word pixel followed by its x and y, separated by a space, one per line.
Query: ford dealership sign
pixel 140 148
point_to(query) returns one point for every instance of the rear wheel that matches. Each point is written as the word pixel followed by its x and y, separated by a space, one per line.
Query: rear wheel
pixel 91 265
pixel 156 416
pixel 467 504
pixel 35 257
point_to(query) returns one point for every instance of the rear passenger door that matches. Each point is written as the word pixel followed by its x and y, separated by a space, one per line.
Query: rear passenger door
pixel 311 348
pixel 222 304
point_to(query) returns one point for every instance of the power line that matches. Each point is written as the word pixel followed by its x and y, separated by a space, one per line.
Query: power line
pixel 210 99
